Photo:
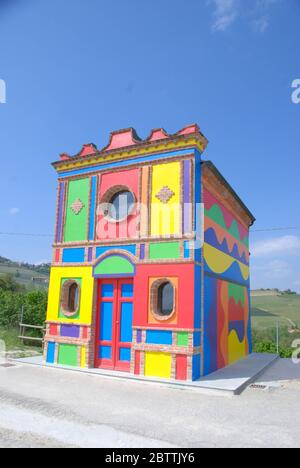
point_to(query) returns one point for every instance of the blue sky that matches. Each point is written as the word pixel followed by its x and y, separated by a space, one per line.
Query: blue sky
pixel 77 69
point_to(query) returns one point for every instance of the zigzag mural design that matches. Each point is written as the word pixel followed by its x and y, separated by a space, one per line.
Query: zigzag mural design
pixel 221 216
pixel 226 245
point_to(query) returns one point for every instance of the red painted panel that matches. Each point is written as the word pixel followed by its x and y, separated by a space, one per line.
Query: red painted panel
pixel 84 333
pixel 129 227
pixel 57 255
pixel 186 279
pixel 53 330
pixel 137 363
pixel 181 367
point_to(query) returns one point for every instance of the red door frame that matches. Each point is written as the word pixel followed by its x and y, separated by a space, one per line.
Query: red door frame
pixel 114 363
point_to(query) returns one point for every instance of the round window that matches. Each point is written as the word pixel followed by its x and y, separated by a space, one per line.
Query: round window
pixel 121 205
pixel 70 298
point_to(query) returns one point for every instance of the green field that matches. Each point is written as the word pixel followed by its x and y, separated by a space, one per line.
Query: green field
pixel 268 310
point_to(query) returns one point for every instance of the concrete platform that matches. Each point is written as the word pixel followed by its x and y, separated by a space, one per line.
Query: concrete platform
pixel 229 381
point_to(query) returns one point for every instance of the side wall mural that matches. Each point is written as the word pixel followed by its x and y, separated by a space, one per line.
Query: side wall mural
pixel 227 326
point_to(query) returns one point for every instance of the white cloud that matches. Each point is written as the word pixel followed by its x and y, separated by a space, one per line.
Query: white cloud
pixel 284 244
pixel 14 211
pixel 225 14
pixel 261 24
pixel 276 269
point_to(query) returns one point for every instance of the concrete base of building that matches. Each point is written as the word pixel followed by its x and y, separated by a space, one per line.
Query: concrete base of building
pixel 230 381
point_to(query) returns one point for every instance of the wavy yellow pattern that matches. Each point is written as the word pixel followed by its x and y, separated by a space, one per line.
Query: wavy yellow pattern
pixel 219 262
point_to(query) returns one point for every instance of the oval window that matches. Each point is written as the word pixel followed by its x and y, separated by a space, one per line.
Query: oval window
pixel 165 299
pixel 121 205
pixel 70 298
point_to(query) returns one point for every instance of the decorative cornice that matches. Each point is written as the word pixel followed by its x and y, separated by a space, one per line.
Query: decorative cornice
pixel 126 143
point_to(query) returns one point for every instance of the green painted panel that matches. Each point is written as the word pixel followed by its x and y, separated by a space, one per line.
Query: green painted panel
pixel 114 265
pixel 61 314
pixel 76 224
pixel 67 355
pixel 164 250
pixel 182 339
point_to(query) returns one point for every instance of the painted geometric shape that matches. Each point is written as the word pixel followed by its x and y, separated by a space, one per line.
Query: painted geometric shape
pixel 114 265
pixel 127 290
pixel 73 255
pixel 125 354
pixel 126 322
pixel 182 339
pixel 77 206
pixel 159 337
pixel 70 331
pixel 105 352
pixel 51 353
pixel 107 290
pixel 181 367
pixel 53 330
pixel 83 357
pixel 158 365
pixel 165 194
pixel 164 251
pixel 106 321
pixel 68 355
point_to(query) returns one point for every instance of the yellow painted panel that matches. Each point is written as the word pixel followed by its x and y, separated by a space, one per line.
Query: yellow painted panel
pixel 158 365
pixel 219 262
pixel 83 357
pixel 236 349
pixel 86 297
pixel 166 217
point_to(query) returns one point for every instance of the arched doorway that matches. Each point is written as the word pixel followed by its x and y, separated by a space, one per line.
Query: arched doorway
pixel 113 337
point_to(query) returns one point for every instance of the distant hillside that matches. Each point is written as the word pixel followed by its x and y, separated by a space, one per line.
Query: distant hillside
pixel 31 276
pixel 268 310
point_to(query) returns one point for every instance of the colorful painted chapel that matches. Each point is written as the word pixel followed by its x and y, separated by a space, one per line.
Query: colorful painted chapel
pixel 150 272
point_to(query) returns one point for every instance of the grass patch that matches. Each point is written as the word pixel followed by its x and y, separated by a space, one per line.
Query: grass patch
pixel 13 343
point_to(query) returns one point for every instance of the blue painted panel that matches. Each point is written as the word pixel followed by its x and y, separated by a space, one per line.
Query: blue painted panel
pixel 210 326
pixel 196 367
pixel 93 208
pixel 73 255
pixel 187 252
pixel 125 354
pixel 104 352
pixel 197 339
pixel 51 353
pixel 159 337
pixel 107 290
pixel 198 207
pixel 128 248
pixel 126 322
pixel 127 162
pixel 127 290
pixel 106 321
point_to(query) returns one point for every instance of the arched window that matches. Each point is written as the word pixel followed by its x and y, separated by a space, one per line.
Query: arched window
pixel 70 298
pixel 163 297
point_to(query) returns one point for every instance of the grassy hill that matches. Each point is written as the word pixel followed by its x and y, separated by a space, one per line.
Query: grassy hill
pixel 30 276
pixel 268 310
